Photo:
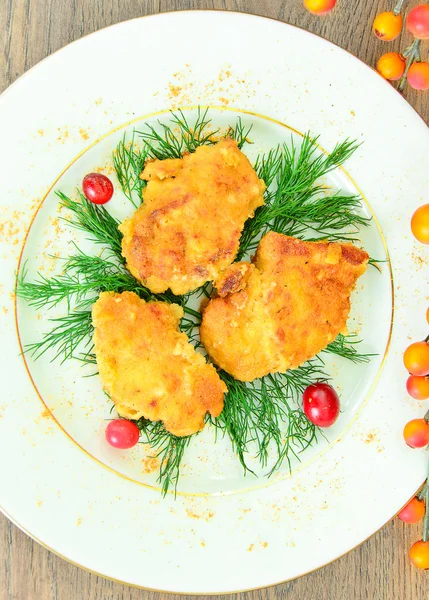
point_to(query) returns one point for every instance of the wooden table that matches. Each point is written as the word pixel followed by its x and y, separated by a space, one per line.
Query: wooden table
pixel 379 569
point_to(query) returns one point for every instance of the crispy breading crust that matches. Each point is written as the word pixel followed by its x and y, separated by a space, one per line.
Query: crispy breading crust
pixel 149 368
pixel 189 225
pixel 282 310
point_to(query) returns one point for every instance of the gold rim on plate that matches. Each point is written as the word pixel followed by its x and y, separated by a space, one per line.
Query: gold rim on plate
pixel 279 477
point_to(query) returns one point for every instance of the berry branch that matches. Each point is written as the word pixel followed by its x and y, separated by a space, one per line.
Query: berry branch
pixel 424 496
pixel 412 54
pixel 406 66
pixel 398 7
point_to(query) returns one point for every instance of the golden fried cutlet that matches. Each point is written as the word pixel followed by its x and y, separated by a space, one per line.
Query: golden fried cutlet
pixel 194 208
pixel 282 310
pixel 149 368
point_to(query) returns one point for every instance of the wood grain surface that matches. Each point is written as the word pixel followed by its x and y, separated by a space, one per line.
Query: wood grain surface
pixel 377 570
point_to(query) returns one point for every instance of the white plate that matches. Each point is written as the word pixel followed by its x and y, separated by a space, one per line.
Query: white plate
pixel 224 532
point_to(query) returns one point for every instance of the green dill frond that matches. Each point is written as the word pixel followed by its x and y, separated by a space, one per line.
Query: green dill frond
pixel 102 274
pixel 161 146
pixel 94 220
pixel 190 327
pixel 67 335
pixel 268 165
pixel 190 322
pixel 295 204
pixel 88 358
pixel 297 380
pixel 47 293
pixel 128 161
pixel 240 133
pixel 194 136
pixel 376 263
pixel 177 138
pixel 169 450
pixel 264 413
pixel 327 216
pixel 84 277
pixel 346 346
pixel 180 136
pixel 194 313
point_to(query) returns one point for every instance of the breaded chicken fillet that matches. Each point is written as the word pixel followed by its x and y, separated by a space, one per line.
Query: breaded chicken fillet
pixel 149 368
pixel 282 310
pixel 194 209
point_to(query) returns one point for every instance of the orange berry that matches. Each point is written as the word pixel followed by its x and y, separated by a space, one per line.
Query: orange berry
pixel 319 7
pixel 416 358
pixel 391 66
pixel 413 512
pixel 416 433
pixel 418 387
pixel 419 554
pixel 420 225
pixel 427 315
pixel 387 26
pixel 418 76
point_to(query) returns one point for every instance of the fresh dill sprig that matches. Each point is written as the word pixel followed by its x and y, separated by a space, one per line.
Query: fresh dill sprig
pixel 180 137
pixel 327 216
pixel 268 165
pixel 264 413
pixel 295 203
pixel 240 133
pixel 83 278
pixel 104 274
pixel 346 346
pixel 169 450
pixel 177 138
pixel 374 262
pixel 190 322
pixel 88 358
pixel 95 220
pixel 128 161
pixel 198 134
pixel 67 335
